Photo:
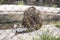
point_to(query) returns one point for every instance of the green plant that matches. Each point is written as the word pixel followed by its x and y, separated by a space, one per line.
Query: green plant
pixel 36 37
pixel 57 25
pixel 21 3
pixel 46 37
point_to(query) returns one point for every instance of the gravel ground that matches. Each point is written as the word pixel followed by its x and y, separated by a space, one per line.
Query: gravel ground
pixel 10 34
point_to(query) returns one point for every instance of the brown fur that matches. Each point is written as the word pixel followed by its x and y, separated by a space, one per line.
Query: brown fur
pixel 32 18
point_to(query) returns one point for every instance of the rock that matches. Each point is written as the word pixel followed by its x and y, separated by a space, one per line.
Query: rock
pixel 45 29
pixel 10 18
pixel 51 30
